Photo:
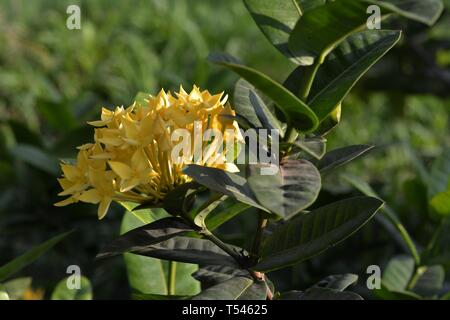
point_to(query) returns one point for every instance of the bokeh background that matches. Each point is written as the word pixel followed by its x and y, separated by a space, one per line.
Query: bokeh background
pixel 53 80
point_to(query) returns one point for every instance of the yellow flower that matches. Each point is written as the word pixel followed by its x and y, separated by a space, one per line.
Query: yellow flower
pixel 131 156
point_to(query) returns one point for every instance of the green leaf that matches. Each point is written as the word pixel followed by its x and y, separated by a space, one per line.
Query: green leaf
pixel 345 66
pixel 223 182
pixel 144 236
pixel 317 293
pixel 276 19
pixel 149 296
pixel 179 200
pixel 249 105
pixel 341 156
pixel 257 291
pixel 148 275
pixel 424 11
pixel 29 257
pixel 295 111
pixel 309 234
pixel 37 158
pixel 62 291
pixel 219 217
pixel 185 249
pixel 231 289
pixel 293 188
pixel 215 274
pixel 330 288
pixel 203 212
pixel 15 288
pixel 322 29
pixel 338 282
pixel 314 146
pixel 430 280
pixel 398 273
pixel 387 294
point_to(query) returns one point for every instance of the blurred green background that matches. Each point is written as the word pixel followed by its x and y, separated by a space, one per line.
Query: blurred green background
pixel 53 80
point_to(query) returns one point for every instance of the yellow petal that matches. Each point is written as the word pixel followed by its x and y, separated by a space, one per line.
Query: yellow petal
pixel 121 169
pixel 127 185
pixel 97 123
pixel 70 172
pixel 66 202
pixel 90 196
pixel 75 188
pixel 103 208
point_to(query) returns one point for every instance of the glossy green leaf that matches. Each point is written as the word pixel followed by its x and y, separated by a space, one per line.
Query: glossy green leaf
pixel 257 291
pixel 309 234
pixel 219 217
pixel 424 11
pixel 314 146
pixel 398 273
pixel 215 274
pixel 148 275
pixel 344 67
pixel 339 157
pixel 203 212
pixel 63 292
pixel 322 29
pixel 317 293
pixel 429 281
pixel 338 282
pixel 295 111
pixel 223 182
pixel 185 249
pixel 294 187
pixel 276 19
pixel 249 105
pixel 146 235
pixel 231 289
pixel 149 296
pixel 29 257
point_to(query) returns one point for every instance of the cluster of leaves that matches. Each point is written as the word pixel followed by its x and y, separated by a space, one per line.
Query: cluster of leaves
pixel 331 57
pixel 421 271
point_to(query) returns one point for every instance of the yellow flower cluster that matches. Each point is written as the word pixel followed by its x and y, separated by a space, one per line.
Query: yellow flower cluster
pixel 131 156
